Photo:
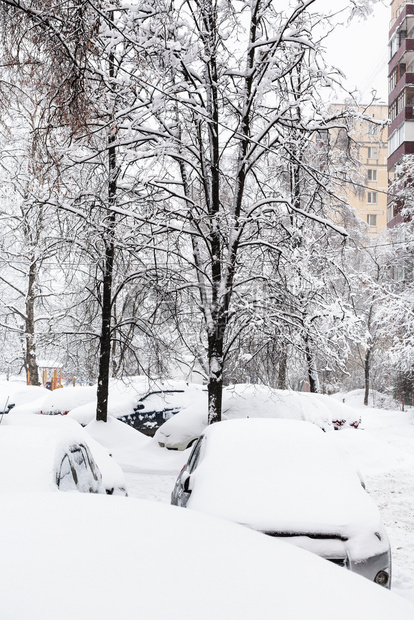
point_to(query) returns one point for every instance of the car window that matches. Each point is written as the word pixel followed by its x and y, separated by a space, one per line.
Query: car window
pixel 85 474
pixel 89 460
pixel 66 477
pixel 79 458
pixel 194 457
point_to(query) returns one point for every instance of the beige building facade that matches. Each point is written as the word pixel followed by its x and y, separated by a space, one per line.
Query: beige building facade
pixel 368 197
pixel 370 200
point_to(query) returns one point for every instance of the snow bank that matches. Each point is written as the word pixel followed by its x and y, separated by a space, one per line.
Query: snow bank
pixel 94 557
pixel 355 399
pixel 133 450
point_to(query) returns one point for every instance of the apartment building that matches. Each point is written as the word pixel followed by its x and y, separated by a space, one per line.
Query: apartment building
pixel 368 197
pixel 401 94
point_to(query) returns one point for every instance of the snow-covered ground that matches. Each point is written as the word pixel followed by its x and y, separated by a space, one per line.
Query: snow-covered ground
pixel 383 451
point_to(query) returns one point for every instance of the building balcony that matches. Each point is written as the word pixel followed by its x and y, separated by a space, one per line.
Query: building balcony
pixel 406 47
pixel 406 80
pixel 397 219
pixel 407 10
pixel 406 148
pixel 406 114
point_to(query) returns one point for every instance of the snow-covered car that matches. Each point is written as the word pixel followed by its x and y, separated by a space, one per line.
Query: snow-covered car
pixel 343 416
pixel 91 557
pixel 143 405
pixel 62 400
pixel 244 401
pixel 16 394
pixel 285 478
pixel 112 476
pixel 153 409
pixel 35 459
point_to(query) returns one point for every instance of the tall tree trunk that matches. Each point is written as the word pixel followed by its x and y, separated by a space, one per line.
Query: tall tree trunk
pixel 31 362
pixel 215 384
pixel 110 220
pixel 366 375
pixel 312 370
pixel 105 339
pixel 217 325
pixel 282 372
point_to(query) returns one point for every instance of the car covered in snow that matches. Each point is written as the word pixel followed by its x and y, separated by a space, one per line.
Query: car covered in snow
pixel 35 459
pixel 62 400
pixel 16 394
pixel 112 479
pixel 285 478
pixel 127 558
pixel 142 404
pixel 249 401
pixel 156 407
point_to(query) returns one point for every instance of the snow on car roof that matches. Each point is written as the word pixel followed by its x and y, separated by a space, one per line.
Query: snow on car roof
pixel 245 401
pixel 251 400
pixel 92 557
pixel 29 457
pixel 281 476
pixel 112 473
pixel 19 394
pixel 64 399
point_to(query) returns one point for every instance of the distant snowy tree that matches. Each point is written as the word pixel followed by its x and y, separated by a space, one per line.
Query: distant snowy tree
pixel 238 109
pixel 192 116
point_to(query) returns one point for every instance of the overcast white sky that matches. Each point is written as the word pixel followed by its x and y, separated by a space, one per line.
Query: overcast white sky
pixel 361 52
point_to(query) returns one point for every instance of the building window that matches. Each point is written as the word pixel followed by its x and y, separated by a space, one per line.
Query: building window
pixel 392 82
pixel 372 175
pixel 400 102
pixel 372 152
pixel 371 219
pixel 396 139
pixel 394 43
pixel 372 198
pixel 373 130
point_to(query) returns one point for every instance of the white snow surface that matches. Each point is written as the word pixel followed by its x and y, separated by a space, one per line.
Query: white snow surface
pixel 29 458
pixel 96 557
pixel 382 449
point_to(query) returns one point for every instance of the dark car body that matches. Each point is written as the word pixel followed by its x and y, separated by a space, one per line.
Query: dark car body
pixel 153 410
